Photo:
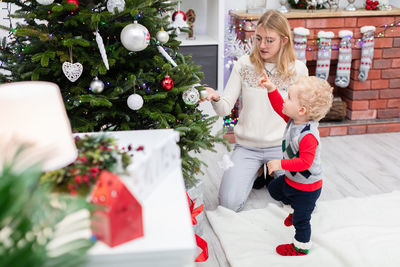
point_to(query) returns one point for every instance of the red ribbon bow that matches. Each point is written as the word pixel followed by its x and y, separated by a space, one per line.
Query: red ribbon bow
pixel 203 256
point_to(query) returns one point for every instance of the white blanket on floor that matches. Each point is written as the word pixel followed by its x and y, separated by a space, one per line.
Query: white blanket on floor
pixel 356 232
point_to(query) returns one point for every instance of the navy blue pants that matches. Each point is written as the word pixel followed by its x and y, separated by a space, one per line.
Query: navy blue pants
pixel 302 202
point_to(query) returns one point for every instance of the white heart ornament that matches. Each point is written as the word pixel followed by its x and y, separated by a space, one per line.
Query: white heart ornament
pixel 72 70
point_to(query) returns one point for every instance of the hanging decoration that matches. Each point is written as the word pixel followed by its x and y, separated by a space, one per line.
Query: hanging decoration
pixel 300 43
pixel 324 55
pixel 135 101
pixel 135 37
pixel 45 2
pixel 167 57
pixel 191 96
pixel 179 19
pixel 102 49
pixel 115 4
pixel 72 70
pixel 344 59
pixel 75 2
pixel 367 51
pixel 162 36
pixel 96 86
pixel 203 94
pixel 167 83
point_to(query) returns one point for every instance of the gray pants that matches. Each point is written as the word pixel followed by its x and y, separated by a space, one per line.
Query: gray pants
pixel 238 180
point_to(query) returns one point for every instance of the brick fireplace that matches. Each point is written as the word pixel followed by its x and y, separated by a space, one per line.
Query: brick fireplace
pixel 373 106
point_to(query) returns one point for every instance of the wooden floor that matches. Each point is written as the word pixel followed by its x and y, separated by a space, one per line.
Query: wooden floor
pixel 354 165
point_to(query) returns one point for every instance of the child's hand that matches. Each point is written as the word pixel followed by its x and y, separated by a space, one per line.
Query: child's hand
pixel 265 82
pixel 212 95
pixel 274 165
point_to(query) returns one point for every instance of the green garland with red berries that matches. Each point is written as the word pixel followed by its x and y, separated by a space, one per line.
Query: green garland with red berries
pixel 95 153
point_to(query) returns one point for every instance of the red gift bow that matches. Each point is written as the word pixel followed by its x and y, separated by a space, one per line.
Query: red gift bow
pixel 203 256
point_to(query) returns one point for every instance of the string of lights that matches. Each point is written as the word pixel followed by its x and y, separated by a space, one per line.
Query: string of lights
pixel 356 42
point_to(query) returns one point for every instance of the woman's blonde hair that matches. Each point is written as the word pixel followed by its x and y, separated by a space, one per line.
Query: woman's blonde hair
pixel 274 20
pixel 315 95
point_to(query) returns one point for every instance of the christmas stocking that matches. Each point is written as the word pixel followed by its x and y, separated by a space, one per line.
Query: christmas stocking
pixel 367 51
pixel 324 55
pixel 344 63
pixel 300 43
pixel 296 248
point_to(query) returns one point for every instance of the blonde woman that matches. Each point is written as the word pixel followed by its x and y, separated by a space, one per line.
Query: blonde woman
pixel 259 130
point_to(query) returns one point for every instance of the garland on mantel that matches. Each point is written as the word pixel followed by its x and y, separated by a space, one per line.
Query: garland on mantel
pixel 302 4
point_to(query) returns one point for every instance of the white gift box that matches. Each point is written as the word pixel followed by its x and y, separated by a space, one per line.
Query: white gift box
pixel 160 156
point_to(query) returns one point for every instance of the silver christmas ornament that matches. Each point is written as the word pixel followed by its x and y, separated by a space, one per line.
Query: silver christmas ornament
pixel 203 94
pixel 162 36
pixel 96 86
pixel 112 4
pixel 191 96
pixel 135 37
pixel 45 2
pixel 135 101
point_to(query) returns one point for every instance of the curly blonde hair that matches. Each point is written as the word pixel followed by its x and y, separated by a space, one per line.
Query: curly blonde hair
pixel 274 20
pixel 315 95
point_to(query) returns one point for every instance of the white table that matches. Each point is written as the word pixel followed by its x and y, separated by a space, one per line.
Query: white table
pixel 168 232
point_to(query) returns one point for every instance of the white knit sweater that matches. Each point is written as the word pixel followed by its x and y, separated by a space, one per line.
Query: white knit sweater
pixel 258 126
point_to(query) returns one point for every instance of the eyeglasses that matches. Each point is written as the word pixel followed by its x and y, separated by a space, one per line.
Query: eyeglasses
pixel 267 41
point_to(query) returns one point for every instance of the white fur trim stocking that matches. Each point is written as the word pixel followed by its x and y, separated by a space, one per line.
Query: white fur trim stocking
pixel 300 43
pixel 367 51
pixel 344 63
pixel 324 55
pixel 301 245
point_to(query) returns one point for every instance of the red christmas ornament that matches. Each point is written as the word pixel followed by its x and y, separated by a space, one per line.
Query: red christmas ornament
pixel 179 12
pixel 167 83
pixel 75 2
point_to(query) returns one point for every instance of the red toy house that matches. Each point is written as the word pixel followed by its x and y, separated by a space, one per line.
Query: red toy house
pixel 119 218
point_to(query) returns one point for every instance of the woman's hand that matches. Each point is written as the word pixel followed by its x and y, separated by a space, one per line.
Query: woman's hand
pixel 212 95
pixel 266 83
pixel 274 165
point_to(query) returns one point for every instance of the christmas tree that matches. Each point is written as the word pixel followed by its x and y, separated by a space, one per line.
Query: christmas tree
pixel 32 226
pixel 115 65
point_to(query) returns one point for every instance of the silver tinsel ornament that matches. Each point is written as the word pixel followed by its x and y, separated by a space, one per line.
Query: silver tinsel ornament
pixel 112 4
pixel 135 101
pixel 96 86
pixel 45 2
pixel 135 37
pixel 162 36
pixel 191 96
